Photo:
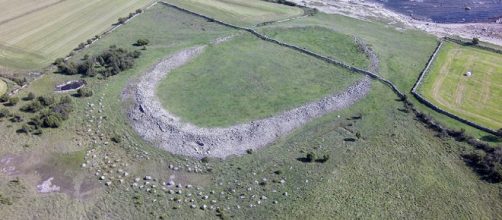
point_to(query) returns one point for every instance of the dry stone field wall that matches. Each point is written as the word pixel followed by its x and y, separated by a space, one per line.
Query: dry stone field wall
pixel 436 108
pixel 299 49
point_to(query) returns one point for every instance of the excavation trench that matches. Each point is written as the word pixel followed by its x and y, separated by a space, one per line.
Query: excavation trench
pixel 165 130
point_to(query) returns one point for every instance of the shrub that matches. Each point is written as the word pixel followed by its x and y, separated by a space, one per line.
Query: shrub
pixel 122 20
pixel 249 151
pixel 142 42
pixel 84 92
pixel 52 121
pixel 34 106
pixel 499 132
pixel 13 101
pixel 139 11
pixel 25 128
pixel 4 98
pixel 475 41
pixel 59 61
pixel 65 100
pixel 17 118
pixel 81 46
pixel 205 160
pixel 116 138
pixel 46 100
pixel 311 157
pixel 30 96
pixel 324 158
pixel 4 113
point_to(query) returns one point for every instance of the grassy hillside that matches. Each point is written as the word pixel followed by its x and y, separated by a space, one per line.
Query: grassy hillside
pixel 39 32
pixel 241 12
pixel 393 168
pixel 324 41
pixel 247 79
pixel 472 97
pixel 401 52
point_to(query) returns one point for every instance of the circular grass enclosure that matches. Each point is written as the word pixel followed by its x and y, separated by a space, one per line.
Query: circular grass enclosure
pixel 247 79
pixel 3 87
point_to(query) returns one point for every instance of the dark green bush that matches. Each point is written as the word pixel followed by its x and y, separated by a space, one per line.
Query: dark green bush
pixel 4 113
pixel 84 92
pixel 13 101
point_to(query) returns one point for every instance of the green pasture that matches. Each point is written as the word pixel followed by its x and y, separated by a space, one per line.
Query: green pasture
pixel 246 79
pixel 240 12
pixel 475 97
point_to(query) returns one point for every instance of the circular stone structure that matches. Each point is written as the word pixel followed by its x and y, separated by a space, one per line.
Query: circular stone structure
pixel 165 130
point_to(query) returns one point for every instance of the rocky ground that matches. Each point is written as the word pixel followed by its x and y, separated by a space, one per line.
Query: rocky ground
pixel 361 9
pixel 165 130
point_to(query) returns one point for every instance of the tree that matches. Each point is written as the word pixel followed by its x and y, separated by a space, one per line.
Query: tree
pixel 475 41
pixel 142 42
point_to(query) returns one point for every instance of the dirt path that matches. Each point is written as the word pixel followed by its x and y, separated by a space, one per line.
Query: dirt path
pixel 165 130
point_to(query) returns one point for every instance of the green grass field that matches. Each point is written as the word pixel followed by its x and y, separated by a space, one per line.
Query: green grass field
pixel 245 79
pixel 34 33
pixel 397 169
pixel 475 97
pixel 3 87
pixel 322 40
pixel 241 12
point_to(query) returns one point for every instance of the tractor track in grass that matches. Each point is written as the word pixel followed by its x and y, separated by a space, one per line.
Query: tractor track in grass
pixel 165 130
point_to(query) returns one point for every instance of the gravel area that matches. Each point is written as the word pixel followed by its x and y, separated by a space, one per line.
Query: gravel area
pixel 167 131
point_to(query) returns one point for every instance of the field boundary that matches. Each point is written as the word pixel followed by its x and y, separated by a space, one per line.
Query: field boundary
pixel 436 108
pixel 294 47
pixel 386 82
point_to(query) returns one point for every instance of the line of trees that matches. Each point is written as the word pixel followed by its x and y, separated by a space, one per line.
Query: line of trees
pixel 110 62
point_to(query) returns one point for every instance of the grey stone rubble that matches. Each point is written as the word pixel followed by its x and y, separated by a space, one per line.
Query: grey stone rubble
pixel 165 130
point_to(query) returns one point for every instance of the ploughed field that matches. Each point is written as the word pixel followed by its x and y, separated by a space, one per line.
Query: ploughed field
pixel 474 96
pixel 246 79
pixel 34 33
